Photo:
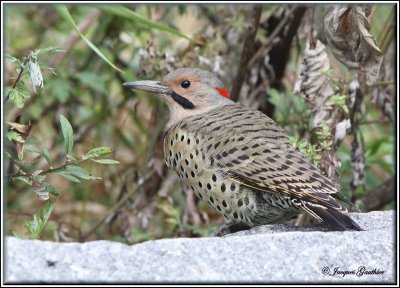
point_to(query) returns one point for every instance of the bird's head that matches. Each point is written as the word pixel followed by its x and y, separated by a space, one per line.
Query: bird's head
pixel 187 92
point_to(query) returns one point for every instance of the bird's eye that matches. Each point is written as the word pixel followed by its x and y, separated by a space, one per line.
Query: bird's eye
pixel 185 84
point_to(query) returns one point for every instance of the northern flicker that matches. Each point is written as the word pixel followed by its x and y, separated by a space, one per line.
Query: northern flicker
pixel 239 160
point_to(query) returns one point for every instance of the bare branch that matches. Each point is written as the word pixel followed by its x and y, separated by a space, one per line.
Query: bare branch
pixel 247 52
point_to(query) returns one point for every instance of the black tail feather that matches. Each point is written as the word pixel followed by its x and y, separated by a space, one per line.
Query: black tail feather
pixel 335 218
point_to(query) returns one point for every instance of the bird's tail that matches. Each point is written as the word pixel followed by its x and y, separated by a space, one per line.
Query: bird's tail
pixel 334 218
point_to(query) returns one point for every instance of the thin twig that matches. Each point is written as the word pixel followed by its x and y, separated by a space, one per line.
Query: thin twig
pixel 52 170
pixel 117 206
pixel 18 77
pixel 270 42
pixel 47 171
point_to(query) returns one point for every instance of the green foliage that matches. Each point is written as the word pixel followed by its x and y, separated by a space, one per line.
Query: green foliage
pixel 36 226
pixel 290 112
pixel 63 11
pixel 324 136
pixel 339 101
pixel 97 152
pixel 60 88
pixel 136 18
pixel 310 151
pixel 14 136
pixel 67 133
pixel 106 161
pixel 19 95
pixel 19 133
pixel 92 80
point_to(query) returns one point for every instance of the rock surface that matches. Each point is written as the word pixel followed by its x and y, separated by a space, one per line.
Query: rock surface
pixel 267 254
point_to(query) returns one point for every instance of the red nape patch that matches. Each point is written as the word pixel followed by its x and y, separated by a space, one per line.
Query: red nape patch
pixel 223 92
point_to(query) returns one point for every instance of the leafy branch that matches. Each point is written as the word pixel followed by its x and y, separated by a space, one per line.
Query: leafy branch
pixel 28 64
pixel 18 133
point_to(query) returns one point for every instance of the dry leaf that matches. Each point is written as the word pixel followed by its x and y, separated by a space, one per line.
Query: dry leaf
pixel 23 130
pixel 348 37
pixel 354 86
pixel 313 83
pixel 341 129
pixel 40 190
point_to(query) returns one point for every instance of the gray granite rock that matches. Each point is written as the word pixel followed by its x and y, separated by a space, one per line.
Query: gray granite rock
pixel 267 254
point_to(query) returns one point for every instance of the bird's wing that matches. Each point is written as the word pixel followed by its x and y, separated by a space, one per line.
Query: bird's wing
pixel 254 151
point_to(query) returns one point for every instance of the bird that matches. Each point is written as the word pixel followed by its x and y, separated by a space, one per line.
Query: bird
pixel 238 160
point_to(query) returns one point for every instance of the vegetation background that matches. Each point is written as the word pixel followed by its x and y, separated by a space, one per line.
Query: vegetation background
pixel 52 186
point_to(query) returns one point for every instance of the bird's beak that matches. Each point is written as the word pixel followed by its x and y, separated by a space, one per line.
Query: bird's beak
pixel 147 85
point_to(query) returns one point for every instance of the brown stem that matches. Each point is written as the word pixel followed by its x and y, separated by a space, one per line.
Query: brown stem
pixel 44 172
pixel 279 54
pixel 52 170
pixel 262 50
pixel 247 51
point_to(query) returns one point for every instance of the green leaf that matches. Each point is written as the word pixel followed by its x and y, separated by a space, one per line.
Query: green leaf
pixel 14 136
pixel 97 152
pixel 12 58
pixel 19 95
pixel 34 226
pixel 68 176
pixel 60 88
pixel 106 161
pixel 46 155
pixel 136 18
pixel 33 149
pixel 293 140
pixel 18 235
pixel 48 49
pixel 48 208
pixel 338 101
pixel 73 169
pixel 89 177
pixel 92 80
pixel 71 158
pixel 52 190
pixel 63 11
pixel 375 145
pixel 67 133
pixel 24 179
pixel 80 172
